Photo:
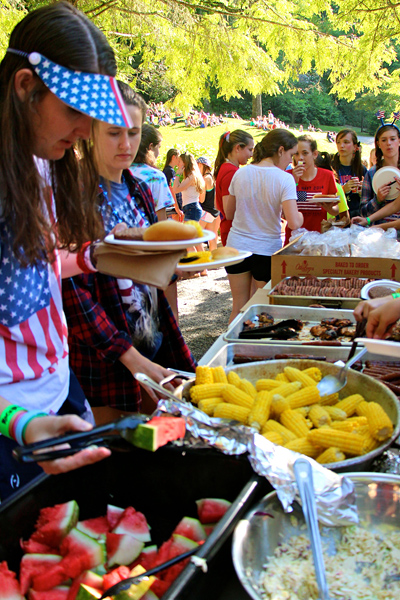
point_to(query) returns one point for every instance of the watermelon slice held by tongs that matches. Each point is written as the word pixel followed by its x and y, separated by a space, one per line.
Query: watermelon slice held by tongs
pixel 139 430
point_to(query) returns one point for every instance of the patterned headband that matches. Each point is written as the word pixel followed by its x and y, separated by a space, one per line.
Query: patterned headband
pixel 380 115
pixel 93 94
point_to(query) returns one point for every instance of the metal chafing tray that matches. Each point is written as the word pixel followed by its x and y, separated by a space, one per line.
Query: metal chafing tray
pixel 224 357
pixel 310 315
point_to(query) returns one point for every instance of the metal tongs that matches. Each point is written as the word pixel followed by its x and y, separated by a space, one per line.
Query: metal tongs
pixel 304 479
pixel 107 436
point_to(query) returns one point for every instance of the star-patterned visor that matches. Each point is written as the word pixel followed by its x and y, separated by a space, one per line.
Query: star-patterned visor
pixel 93 94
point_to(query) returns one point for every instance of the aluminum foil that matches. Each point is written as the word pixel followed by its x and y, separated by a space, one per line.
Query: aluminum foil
pixel 388 462
pixel 334 493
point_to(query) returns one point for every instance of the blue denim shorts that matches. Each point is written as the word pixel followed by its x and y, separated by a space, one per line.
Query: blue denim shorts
pixel 192 211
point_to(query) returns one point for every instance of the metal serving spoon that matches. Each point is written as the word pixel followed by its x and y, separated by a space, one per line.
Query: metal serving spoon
pixel 304 479
pixel 330 384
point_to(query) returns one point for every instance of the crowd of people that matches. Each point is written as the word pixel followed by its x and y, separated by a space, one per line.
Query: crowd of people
pixel 71 337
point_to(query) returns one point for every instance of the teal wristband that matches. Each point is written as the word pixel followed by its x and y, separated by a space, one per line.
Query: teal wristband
pixel 396 295
pixel 368 222
pixel 23 423
pixel 6 417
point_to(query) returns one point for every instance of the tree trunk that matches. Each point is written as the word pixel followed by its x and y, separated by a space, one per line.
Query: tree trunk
pixel 256 106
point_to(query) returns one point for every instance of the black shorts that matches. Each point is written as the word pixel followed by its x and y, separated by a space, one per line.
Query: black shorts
pixel 257 264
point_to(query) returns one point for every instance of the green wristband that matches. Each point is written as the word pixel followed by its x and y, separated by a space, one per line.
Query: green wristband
pixel 6 417
pixel 368 222
pixel 396 295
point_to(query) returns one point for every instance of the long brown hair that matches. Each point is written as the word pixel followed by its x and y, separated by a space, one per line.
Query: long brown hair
pixel 150 135
pixel 64 35
pixel 270 144
pixel 227 142
pixel 190 167
pixel 356 164
pixel 171 152
pixel 378 151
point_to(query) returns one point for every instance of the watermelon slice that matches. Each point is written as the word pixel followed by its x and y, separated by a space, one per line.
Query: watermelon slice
pixel 209 528
pixel 95 528
pixel 88 578
pixel 9 586
pixel 35 564
pixel 191 528
pixel 55 522
pixel 180 544
pixel 86 592
pixel 157 432
pixel 210 510
pixel 159 587
pixel 114 513
pixel 32 547
pixel 122 548
pixel 115 576
pixel 133 523
pixel 57 593
pixel 136 591
pixel 147 558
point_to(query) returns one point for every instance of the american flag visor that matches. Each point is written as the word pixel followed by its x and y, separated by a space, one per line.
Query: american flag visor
pixel 93 94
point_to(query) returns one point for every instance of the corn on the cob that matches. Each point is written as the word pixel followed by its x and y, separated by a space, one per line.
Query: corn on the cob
pixel 336 414
pixel 349 443
pixel 310 424
pixel 272 425
pixel 259 413
pixel 232 411
pixel 331 455
pixel 319 416
pixel 343 425
pixel 305 397
pixel 233 378
pixel 302 410
pixel 278 404
pixel 304 446
pixel 361 409
pixel 294 374
pixel 234 395
pixel 380 426
pixel 361 430
pixel 282 377
pixel 267 384
pixel 295 423
pixel 219 375
pixel 248 387
pixel 285 389
pixel 314 373
pixel 208 405
pixel 274 437
pixel 204 375
pixel 206 390
pixel 329 400
pixel 370 442
pixel 349 404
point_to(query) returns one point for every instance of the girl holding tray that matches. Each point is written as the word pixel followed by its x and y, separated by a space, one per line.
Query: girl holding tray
pixel 116 327
pixel 47 201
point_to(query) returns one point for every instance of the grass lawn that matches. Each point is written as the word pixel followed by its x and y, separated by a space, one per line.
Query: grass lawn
pixel 204 142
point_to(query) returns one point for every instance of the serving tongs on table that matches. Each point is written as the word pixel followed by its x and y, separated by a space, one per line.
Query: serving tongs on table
pixel 305 484
pixel 109 435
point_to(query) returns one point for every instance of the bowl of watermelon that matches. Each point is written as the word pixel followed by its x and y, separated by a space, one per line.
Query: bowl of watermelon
pixel 72 536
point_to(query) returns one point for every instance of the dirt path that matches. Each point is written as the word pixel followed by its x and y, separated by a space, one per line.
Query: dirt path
pixel 204 306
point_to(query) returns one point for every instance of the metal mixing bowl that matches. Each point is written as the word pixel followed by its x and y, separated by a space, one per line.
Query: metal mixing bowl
pixel 257 535
pixel 371 389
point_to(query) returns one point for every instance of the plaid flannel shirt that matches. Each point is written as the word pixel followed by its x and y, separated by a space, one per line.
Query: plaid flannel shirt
pixel 98 331
pixel 369 202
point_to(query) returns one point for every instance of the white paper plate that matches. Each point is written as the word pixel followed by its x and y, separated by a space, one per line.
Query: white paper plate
pixel 385 347
pixel 392 285
pixel 174 245
pixel 383 177
pixel 215 264
pixel 319 199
